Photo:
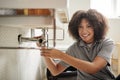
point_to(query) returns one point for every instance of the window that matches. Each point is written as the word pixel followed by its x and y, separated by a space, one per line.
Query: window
pixel 118 8
pixel 109 8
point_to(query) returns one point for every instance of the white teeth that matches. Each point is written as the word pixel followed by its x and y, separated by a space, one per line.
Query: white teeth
pixel 85 35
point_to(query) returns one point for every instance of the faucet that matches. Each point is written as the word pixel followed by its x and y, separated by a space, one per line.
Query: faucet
pixel 41 40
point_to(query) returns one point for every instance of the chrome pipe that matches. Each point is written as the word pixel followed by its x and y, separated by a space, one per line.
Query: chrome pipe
pixel 20 48
pixel 25 39
pixel 41 40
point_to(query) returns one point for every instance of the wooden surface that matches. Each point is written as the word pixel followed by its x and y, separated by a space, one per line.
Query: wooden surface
pixel 115 61
pixel 118 48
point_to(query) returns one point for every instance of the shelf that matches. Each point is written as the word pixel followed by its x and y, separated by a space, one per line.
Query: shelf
pixel 39 18
pixel 26 12
pixel 23 21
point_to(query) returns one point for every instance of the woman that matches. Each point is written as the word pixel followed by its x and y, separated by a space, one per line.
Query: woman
pixel 91 52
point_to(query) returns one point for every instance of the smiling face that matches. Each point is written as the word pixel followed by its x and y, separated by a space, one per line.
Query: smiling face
pixel 86 31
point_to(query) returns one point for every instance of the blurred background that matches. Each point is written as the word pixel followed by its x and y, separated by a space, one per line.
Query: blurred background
pixel 22 20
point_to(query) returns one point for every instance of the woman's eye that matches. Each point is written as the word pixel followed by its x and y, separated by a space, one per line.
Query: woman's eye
pixel 89 26
pixel 80 26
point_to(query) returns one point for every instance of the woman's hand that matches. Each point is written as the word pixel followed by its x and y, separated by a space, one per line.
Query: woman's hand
pixel 51 53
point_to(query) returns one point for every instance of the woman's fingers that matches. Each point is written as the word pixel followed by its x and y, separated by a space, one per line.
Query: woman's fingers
pixel 45 52
pixel 37 44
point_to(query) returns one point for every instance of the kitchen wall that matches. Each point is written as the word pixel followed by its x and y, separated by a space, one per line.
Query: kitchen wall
pixel 114 29
pixel 33 4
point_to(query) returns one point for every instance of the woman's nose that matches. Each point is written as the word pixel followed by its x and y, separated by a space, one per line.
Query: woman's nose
pixel 84 30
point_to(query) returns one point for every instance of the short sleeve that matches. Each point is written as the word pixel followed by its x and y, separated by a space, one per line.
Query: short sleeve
pixel 69 51
pixel 106 50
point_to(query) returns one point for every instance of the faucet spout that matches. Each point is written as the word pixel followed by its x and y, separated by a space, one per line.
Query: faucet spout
pixel 40 39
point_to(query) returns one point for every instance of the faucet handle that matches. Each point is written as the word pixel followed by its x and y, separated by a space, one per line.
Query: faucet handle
pixel 42 42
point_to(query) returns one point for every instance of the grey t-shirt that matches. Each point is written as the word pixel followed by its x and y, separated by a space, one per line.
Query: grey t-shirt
pixel 102 48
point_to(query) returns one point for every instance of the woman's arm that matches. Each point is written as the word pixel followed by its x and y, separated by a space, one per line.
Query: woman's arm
pixel 54 68
pixel 88 67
